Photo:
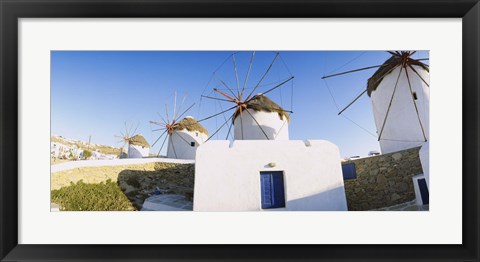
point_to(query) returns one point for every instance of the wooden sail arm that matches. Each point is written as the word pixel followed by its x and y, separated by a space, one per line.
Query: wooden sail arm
pixel 226 95
pixel 354 100
pixel 224 84
pixel 159 137
pixel 230 118
pixel 216 98
pixel 246 78
pixel 351 71
pixel 271 89
pixel 263 77
pixel 186 110
pixel 165 139
pixel 157 123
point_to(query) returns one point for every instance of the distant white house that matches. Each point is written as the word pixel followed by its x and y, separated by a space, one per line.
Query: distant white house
pixel 74 151
pixel 260 174
pixel 59 150
pixel 55 149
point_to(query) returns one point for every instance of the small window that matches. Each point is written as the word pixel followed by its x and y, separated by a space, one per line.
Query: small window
pixel 272 189
pixel 349 171
pixel 414 95
pixel 192 144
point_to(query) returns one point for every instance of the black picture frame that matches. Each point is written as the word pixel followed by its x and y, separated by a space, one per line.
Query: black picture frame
pixel 11 10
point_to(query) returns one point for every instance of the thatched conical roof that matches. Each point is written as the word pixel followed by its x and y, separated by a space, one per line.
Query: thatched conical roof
pixel 261 102
pixel 190 124
pixel 138 140
pixel 387 68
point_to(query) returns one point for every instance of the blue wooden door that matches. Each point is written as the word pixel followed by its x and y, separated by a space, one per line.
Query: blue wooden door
pixel 422 184
pixel 272 189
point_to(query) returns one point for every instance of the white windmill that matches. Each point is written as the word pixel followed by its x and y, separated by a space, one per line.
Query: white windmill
pixel 137 146
pixel 400 96
pixel 255 117
pixel 184 136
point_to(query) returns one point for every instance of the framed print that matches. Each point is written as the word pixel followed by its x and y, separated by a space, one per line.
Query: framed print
pixel 221 130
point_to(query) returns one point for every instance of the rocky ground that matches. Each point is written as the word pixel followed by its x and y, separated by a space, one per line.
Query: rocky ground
pixel 138 182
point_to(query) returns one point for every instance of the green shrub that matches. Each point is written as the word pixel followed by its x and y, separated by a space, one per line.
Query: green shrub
pixel 86 154
pixel 92 197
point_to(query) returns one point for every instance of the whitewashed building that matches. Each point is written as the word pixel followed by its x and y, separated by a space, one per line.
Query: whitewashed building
pixel 186 137
pixel 260 174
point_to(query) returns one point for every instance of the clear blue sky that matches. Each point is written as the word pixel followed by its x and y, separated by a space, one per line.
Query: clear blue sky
pixel 96 92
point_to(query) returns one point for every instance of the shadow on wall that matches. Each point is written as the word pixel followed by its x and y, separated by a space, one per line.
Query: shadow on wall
pixel 138 185
pixel 133 152
pixel 331 200
pixel 269 131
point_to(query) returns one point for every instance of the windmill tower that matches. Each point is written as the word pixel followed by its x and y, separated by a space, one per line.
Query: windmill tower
pixel 137 146
pixel 261 119
pixel 256 117
pixel 400 97
pixel 400 94
pixel 184 136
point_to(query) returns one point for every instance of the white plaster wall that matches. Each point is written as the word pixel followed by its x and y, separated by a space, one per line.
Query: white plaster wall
pixel 424 160
pixel 402 128
pixel 115 162
pixel 179 144
pixel 228 178
pixel 135 151
pixel 274 127
pixel 416 189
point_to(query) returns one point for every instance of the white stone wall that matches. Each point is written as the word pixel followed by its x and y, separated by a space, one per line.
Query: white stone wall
pixel 274 127
pixel 228 178
pixel 402 128
pixel 424 159
pixel 135 151
pixel 179 146
pixel 416 188
pixel 115 162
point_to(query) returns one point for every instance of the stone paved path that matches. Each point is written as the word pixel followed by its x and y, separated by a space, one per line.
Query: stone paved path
pixel 54 207
pixel 167 202
pixel 407 206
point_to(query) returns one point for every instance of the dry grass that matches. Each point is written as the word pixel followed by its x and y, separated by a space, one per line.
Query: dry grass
pixel 94 174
